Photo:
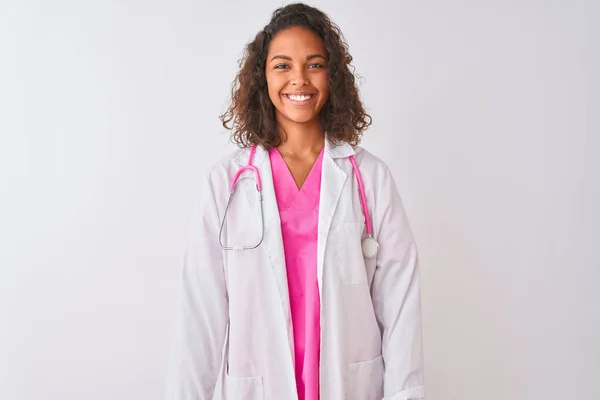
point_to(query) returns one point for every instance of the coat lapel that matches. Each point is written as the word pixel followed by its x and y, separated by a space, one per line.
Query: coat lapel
pixel 333 179
pixel 272 243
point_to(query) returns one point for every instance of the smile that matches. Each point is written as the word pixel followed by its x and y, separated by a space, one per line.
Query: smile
pixel 299 99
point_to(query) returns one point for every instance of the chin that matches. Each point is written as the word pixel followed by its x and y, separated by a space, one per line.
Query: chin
pixel 301 118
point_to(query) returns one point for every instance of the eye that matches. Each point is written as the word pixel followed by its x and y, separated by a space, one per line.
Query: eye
pixel 281 66
pixel 316 65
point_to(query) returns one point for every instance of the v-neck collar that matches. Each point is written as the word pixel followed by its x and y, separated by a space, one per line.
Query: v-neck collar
pixel 286 190
pixel 274 152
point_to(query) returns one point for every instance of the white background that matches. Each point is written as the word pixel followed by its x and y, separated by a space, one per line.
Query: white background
pixel 487 112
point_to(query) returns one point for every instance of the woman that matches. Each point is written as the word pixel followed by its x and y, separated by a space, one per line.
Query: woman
pixel 282 296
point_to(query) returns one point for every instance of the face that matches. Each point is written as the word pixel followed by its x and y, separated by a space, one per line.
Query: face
pixel 297 77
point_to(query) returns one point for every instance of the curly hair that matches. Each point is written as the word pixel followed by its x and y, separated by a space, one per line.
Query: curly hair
pixel 251 114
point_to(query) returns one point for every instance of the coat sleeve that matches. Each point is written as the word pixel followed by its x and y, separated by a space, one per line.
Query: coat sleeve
pixel 203 308
pixel 396 296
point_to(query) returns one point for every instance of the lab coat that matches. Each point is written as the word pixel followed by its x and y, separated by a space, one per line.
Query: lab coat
pixel 235 337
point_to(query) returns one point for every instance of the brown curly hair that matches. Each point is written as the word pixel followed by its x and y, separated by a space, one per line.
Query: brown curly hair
pixel 251 114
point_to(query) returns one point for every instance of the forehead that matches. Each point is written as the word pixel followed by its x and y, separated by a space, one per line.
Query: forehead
pixel 297 41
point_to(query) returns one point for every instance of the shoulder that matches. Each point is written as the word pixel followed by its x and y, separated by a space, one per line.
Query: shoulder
pixel 221 172
pixel 370 163
pixel 232 158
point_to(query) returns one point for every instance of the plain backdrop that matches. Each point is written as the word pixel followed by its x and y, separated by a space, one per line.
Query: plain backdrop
pixel 486 112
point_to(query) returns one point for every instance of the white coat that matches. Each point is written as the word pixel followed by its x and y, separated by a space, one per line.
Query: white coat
pixel 235 340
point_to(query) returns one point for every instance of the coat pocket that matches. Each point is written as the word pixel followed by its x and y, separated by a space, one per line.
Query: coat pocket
pixel 365 380
pixel 349 256
pixel 250 388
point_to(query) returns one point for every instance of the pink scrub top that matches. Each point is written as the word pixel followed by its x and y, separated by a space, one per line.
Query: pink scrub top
pixel 299 214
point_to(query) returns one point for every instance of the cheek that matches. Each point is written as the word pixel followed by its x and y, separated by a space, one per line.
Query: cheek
pixel 272 94
pixel 274 87
pixel 322 84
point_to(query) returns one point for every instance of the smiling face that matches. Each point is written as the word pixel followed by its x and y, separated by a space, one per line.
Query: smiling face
pixel 297 77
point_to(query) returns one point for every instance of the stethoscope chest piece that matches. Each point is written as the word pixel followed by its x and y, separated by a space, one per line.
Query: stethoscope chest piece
pixel 370 247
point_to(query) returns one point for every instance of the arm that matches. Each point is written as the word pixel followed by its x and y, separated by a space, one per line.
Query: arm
pixel 396 297
pixel 197 353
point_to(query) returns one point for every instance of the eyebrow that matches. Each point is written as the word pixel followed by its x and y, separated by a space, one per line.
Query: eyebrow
pixel 287 58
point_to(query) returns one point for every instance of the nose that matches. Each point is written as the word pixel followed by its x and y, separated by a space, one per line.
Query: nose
pixel 299 78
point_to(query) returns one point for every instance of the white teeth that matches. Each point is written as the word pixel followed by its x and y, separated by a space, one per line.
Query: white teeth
pixel 299 97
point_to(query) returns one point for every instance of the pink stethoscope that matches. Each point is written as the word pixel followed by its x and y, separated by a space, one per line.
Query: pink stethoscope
pixel 369 245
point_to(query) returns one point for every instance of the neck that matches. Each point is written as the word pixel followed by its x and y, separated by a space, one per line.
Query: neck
pixel 301 140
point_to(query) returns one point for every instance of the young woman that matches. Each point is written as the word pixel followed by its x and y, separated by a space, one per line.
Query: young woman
pixel 303 284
